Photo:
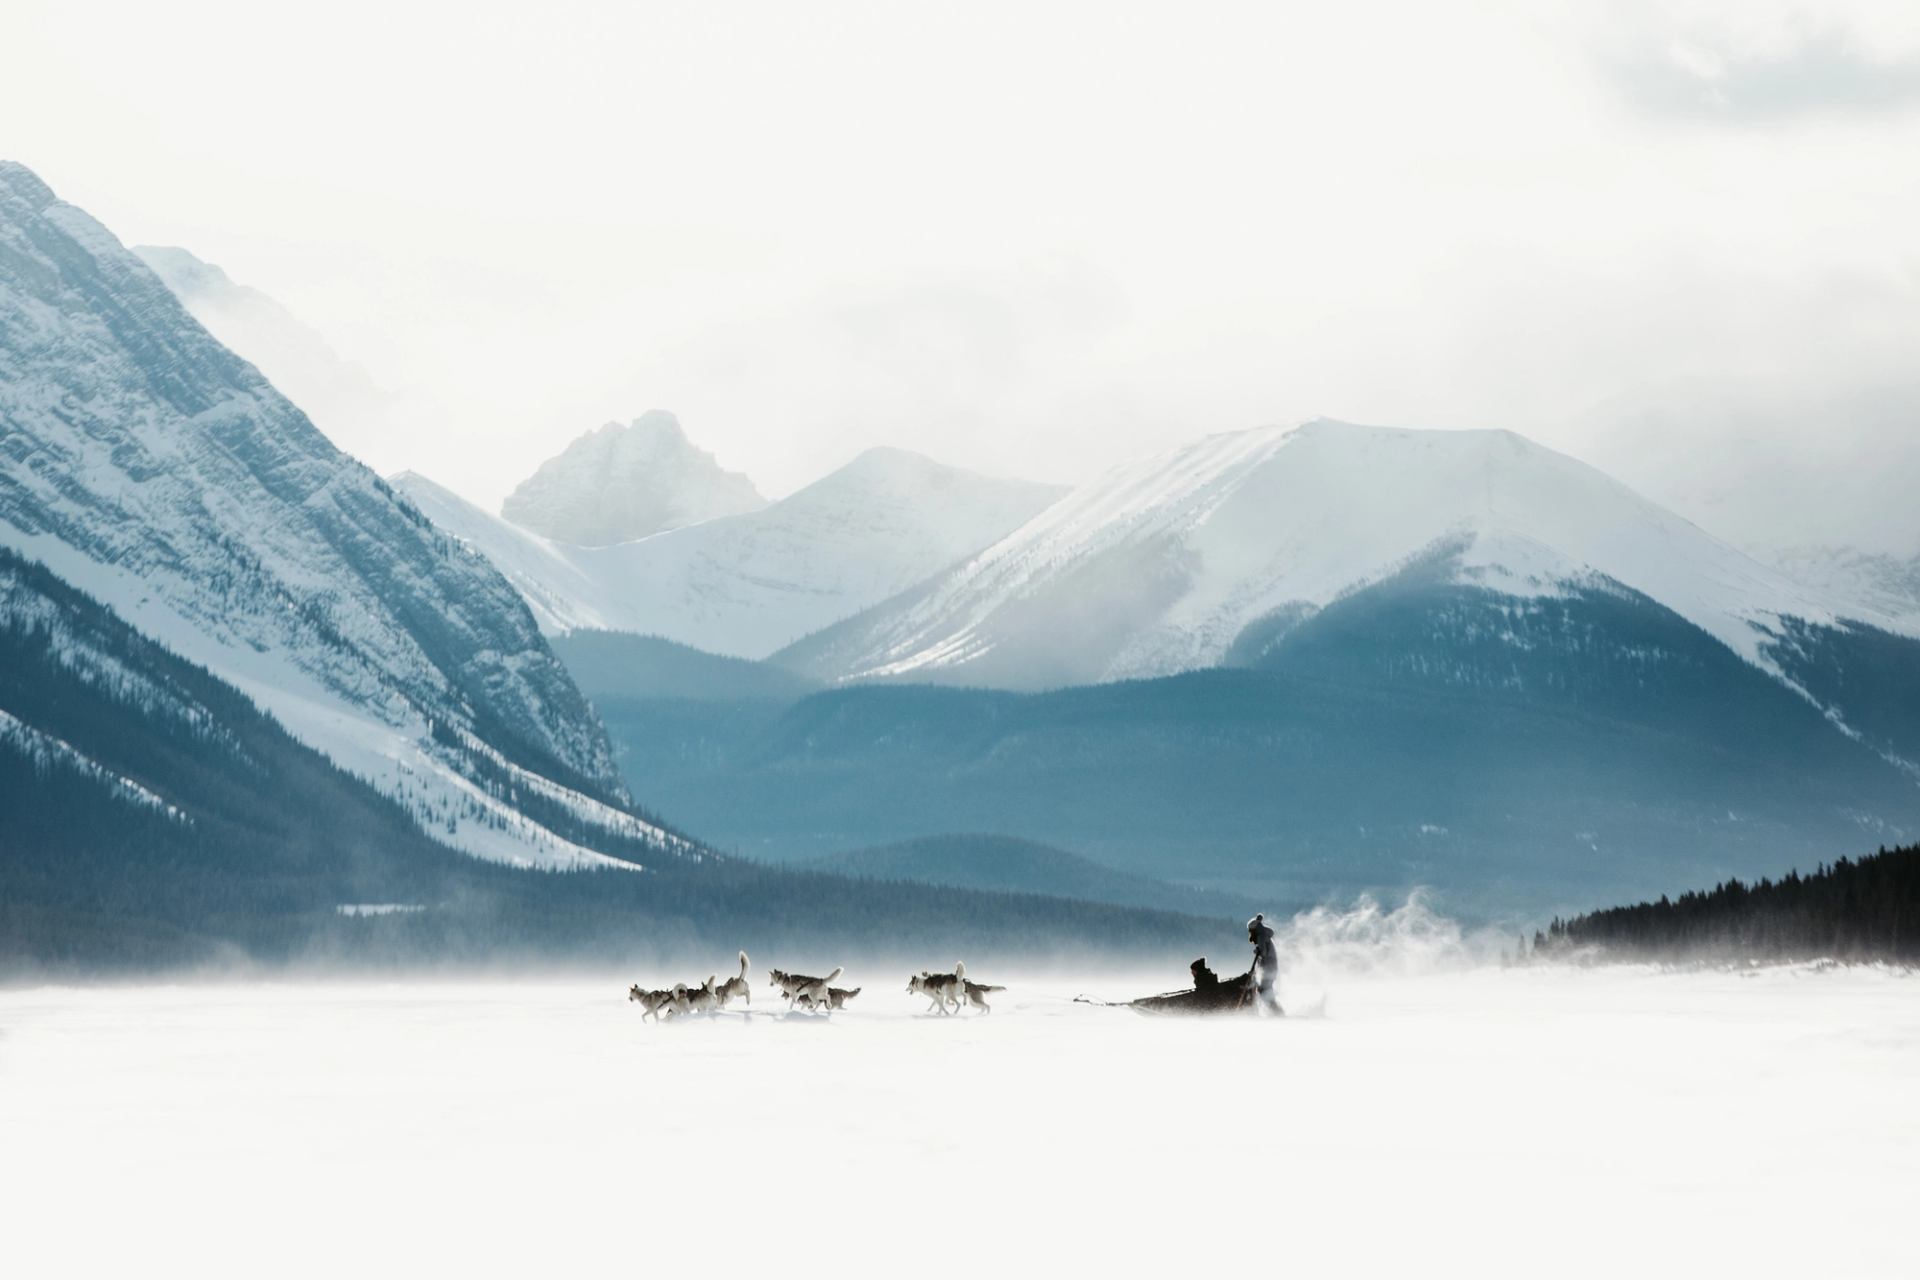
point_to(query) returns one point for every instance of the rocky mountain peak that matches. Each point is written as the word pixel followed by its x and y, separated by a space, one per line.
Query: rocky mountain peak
pixel 624 482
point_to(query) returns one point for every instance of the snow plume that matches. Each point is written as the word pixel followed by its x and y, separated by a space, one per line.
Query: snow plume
pixel 1368 939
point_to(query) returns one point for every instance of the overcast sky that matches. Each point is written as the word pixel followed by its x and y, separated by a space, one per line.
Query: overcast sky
pixel 1677 239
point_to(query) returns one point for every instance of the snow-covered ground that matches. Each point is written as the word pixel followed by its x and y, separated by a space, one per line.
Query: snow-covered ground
pixel 1470 1122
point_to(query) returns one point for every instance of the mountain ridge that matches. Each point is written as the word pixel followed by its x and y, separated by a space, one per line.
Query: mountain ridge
pixel 1161 564
pixel 153 469
pixel 745 585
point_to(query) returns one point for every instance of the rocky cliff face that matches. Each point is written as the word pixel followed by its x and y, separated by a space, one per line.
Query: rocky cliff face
pixel 152 468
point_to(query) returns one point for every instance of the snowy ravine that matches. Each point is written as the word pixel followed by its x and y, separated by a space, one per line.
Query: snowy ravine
pixel 148 466
pixel 748 584
pixel 1163 564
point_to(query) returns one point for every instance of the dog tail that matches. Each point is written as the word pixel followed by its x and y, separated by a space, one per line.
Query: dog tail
pixel 743 964
pixel 959 968
pixel 837 971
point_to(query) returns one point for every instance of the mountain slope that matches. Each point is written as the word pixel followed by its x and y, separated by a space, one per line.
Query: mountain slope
pixel 148 802
pixel 1003 864
pixel 625 482
pixel 747 585
pixel 337 394
pixel 1366 767
pixel 1165 564
pixel 554 579
pixel 1870 584
pixel 618 665
pixel 151 468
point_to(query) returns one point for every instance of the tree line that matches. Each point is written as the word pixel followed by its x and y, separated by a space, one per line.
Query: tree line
pixel 1851 909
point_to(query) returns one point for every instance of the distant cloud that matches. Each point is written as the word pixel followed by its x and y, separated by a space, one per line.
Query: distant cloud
pixel 1818 71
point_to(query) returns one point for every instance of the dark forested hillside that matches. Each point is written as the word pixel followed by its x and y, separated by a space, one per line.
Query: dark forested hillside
pixel 1849 910
pixel 618 664
pixel 1343 768
pixel 1004 864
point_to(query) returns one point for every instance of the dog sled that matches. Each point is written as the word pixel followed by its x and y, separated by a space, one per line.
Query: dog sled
pixel 1228 995
pixel 1203 999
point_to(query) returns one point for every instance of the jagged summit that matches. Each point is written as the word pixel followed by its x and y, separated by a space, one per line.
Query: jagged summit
pixel 620 482
pixel 748 584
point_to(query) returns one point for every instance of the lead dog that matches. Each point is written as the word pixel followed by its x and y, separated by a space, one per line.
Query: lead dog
pixel 735 986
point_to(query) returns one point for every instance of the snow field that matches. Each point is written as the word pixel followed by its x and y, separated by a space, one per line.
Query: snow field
pixel 1479 1122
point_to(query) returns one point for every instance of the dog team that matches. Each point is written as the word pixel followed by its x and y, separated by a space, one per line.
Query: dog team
pixel 948 993
pixel 680 1000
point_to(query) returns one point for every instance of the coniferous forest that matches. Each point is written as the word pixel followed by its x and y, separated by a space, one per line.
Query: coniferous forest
pixel 1857 910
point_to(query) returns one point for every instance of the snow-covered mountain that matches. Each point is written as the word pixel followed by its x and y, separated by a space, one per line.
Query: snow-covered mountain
pixel 749 584
pixel 339 396
pixel 148 466
pixel 1865 583
pixel 1168 563
pixel 620 483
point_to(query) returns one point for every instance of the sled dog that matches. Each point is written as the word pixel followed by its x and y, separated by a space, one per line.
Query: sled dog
pixel 787 983
pixel 837 998
pixel 943 989
pixel 735 986
pixel 977 993
pixel 650 1002
pixel 792 984
pixel 684 999
pixel 814 993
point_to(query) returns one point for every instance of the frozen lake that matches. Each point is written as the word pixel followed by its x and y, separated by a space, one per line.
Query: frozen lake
pixel 1479 1122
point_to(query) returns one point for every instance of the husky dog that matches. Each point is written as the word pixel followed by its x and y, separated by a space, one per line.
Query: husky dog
pixel 837 998
pixel 814 993
pixel 792 984
pixel 977 993
pixel 684 999
pixel 787 983
pixel 921 984
pixel 943 989
pixel 650 1002
pixel 736 986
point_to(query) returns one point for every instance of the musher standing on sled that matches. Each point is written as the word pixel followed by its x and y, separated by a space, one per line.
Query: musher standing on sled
pixel 1266 964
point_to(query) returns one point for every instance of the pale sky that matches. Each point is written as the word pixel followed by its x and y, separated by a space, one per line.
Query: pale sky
pixel 1676 239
